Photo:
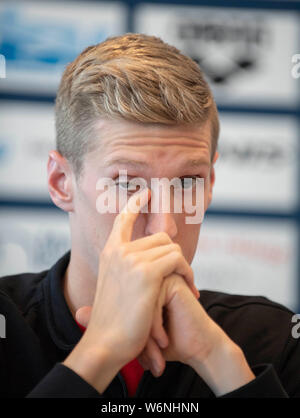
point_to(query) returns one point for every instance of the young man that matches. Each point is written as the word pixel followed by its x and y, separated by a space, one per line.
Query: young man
pixel 119 315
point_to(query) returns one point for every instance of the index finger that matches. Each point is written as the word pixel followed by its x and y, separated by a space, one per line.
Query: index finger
pixel 124 221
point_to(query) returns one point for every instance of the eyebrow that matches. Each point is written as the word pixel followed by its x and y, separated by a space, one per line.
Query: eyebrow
pixel 141 164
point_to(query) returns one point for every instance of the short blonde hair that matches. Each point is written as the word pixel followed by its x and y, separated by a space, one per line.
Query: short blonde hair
pixel 133 77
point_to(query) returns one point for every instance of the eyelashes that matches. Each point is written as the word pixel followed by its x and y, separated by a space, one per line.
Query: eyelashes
pixel 132 186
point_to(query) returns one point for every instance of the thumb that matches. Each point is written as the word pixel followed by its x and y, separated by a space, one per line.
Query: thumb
pixel 83 314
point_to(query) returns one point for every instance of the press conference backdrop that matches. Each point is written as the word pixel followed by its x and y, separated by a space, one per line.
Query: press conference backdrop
pixel 249 240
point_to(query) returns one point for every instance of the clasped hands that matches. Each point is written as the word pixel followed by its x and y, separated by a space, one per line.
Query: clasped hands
pixel 146 304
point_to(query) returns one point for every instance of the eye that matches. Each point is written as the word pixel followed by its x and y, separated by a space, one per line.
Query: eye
pixel 131 186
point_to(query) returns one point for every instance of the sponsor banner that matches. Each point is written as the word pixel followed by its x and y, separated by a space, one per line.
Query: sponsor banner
pixel 32 240
pixel 258 164
pixel 38 39
pixel 248 257
pixel 27 134
pixel 246 54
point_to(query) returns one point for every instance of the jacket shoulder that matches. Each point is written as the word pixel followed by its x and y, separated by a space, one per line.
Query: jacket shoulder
pixel 261 327
pixel 215 299
pixel 21 289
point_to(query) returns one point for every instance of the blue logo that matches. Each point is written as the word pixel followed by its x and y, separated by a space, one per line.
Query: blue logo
pixel 34 45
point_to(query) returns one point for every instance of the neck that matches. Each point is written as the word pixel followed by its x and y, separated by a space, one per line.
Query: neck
pixel 79 282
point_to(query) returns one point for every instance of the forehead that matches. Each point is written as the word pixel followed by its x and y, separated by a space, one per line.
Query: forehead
pixel 120 141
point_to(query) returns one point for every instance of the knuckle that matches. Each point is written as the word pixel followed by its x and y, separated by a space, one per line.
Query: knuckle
pixel 163 237
pixel 177 248
pixel 177 256
pixel 142 270
pixel 131 259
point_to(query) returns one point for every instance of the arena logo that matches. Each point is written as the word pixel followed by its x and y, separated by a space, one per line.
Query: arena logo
pixel 296 67
pixel 2 66
pixel 192 191
pixel 224 45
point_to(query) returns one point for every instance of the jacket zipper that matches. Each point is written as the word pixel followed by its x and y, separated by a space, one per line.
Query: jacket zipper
pixel 125 391
pixel 139 388
pixel 141 385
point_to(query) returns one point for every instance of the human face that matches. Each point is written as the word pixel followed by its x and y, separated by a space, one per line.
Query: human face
pixel 158 152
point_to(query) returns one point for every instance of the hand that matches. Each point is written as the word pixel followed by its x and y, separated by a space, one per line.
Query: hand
pixel 129 281
pixel 194 339
pixel 191 332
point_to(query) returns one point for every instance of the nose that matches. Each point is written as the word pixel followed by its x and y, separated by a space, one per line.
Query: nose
pixel 161 222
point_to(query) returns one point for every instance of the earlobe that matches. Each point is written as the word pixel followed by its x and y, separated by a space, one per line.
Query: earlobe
pixel 60 183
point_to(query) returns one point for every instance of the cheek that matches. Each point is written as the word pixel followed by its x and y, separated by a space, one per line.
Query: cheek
pixel 110 200
pixel 95 226
pixel 187 238
pixel 104 226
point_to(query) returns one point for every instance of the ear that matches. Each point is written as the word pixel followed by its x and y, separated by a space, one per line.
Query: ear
pixel 60 181
pixel 212 178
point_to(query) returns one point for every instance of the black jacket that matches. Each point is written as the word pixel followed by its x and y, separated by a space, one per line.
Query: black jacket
pixel 41 332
